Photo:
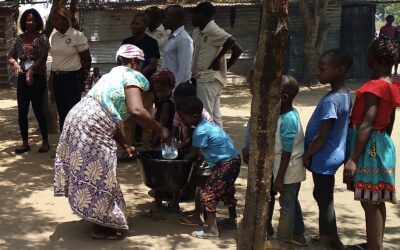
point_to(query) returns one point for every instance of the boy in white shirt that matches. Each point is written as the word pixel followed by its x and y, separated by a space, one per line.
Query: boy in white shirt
pixel 289 170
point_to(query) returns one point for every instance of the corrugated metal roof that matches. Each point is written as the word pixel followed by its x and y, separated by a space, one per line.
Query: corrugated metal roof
pixel 142 4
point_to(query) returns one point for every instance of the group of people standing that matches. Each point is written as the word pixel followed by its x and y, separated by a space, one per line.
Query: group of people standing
pixel 86 159
pixel 338 133
pixel 162 64
pixel 28 55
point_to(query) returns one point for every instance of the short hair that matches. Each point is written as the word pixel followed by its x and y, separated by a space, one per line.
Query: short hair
pixel 143 16
pixel 123 60
pixel 65 13
pixel 390 19
pixel 339 57
pixel 190 105
pixel 185 89
pixel 154 13
pixel 290 86
pixel 383 50
pixel 177 11
pixel 36 15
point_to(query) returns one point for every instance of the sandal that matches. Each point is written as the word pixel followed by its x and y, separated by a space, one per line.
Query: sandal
pixel 44 148
pixel 22 149
pixel 105 233
pixel 203 235
pixel 187 221
pixel 112 235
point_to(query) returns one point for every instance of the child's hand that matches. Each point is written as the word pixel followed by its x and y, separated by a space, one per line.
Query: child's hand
pixel 165 135
pixel 278 185
pixel 130 151
pixel 307 163
pixel 245 153
pixel 348 173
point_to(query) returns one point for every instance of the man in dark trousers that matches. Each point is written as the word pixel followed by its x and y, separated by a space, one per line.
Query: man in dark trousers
pixel 151 55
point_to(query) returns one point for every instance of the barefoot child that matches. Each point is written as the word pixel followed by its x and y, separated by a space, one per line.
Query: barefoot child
pixel 163 84
pixel 325 141
pixel 201 170
pixel 289 170
pixel 221 156
pixel 370 169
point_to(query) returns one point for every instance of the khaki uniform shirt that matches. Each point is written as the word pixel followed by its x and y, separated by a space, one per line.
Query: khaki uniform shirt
pixel 161 35
pixel 65 49
pixel 208 43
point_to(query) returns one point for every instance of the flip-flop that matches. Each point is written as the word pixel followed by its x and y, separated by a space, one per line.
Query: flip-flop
pixel 187 222
pixel 200 234
pixel 113 235
pixel 188 213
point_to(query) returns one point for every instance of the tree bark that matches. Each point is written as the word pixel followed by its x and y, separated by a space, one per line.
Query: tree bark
pixel 314 14
pixel 265 109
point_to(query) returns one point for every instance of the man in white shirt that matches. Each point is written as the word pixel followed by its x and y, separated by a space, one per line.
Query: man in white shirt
pixel 156 30
pixel 209 63
pixel 178 50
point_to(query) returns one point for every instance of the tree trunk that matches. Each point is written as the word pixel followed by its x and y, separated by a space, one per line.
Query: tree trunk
pixel 265 109
pixel 314 14
pixel 49 106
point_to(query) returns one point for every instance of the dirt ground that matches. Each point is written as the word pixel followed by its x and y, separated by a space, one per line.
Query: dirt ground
pixel 32 218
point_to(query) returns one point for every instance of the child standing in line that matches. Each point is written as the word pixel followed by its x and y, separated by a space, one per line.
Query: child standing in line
pixel 289 170
pixel 325 141
pixel 163 84
pixel 370 169
pixel 221 156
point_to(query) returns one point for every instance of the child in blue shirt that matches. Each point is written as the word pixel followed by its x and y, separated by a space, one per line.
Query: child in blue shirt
pixel 325 140
pixel 222 158
pixel 288 168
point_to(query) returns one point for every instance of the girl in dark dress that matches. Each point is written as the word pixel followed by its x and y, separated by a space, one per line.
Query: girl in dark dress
pixel 163 84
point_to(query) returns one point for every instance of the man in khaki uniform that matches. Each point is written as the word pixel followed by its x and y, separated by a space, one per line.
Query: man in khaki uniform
pixel 209 62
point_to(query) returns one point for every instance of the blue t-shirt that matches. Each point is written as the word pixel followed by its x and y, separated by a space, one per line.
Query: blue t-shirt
pixel 215 145
pixel 332 106
pixel 289 128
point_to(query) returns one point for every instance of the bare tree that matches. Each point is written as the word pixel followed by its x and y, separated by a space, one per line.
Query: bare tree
pixel 265 109
pixel 314 14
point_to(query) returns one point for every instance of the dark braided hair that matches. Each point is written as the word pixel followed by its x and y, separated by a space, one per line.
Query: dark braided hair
pixel 383 50
pixel 165 77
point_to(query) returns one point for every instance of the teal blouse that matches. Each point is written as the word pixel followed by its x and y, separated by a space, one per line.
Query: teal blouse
pixel 110 90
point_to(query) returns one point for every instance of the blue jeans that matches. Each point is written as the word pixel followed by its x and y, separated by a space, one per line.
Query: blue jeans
pixel 291 217
pixel 324 185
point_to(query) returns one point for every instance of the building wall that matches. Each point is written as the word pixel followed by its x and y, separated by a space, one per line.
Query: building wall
pixel 106 29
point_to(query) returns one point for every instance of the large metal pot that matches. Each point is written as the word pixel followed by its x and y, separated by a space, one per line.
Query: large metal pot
pixel 161 174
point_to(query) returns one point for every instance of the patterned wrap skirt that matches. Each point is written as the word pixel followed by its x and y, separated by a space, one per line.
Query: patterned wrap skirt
pixel 220 185
pixel 374 179
pixel 86 164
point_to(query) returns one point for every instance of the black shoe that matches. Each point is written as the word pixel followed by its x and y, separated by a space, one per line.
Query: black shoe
pixel 22 150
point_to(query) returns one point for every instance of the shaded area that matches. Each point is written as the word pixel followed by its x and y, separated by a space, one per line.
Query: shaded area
pixel 32 218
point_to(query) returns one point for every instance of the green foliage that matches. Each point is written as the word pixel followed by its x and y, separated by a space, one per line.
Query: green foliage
pixel 382 10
